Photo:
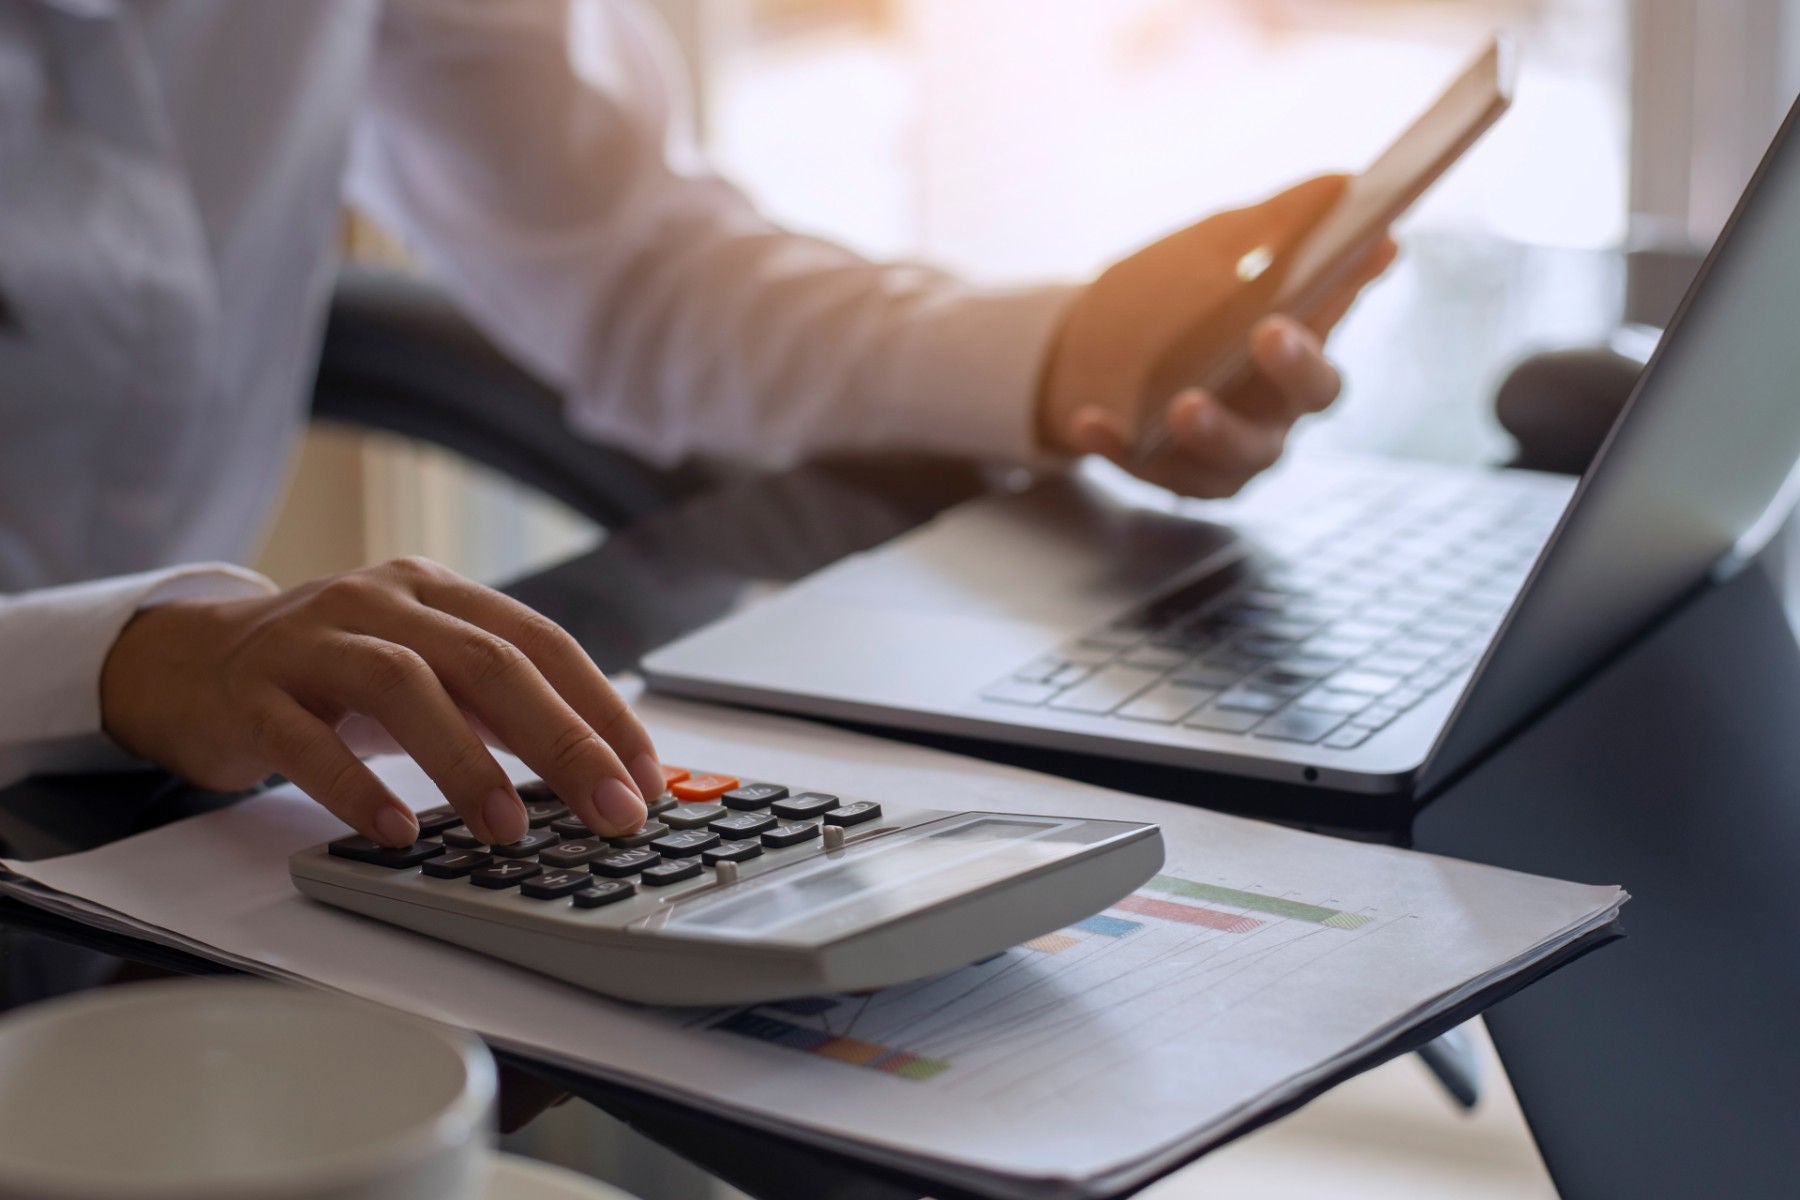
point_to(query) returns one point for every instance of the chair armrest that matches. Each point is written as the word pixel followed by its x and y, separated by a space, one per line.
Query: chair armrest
pixel 399 358
pixel 1560 406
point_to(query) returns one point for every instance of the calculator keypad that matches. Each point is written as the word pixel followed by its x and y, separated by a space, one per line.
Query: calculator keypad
pixel 726 822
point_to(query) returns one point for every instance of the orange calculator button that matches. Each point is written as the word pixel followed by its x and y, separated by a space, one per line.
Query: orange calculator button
pixel 674 775
pixel 702 787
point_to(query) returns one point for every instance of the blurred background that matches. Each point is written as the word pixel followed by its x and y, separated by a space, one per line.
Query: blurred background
pixel 1029 139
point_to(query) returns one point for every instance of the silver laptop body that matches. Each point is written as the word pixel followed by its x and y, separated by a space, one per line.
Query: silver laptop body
pixel 1362 625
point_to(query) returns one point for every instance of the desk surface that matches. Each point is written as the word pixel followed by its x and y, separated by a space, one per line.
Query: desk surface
pixel 1660 1062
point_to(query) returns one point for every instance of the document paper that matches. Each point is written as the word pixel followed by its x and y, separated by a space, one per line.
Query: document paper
pixel 1258 962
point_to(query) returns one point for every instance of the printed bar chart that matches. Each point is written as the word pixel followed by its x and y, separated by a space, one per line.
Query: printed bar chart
pixel 1187 914
pixel 1273 906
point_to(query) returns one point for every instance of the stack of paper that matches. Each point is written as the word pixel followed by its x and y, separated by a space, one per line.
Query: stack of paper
pixel 1260 965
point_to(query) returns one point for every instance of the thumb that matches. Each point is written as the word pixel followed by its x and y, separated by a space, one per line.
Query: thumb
pixel 1284 219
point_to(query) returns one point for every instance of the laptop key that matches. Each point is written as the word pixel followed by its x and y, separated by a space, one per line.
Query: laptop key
pixel 1106 690
pixel 1245 699
pixel 1154 658
pixel 1368 683
pixel 1349 737
pixel 1166 703
pixel 1326 700
pixel 1298 725
pixel 1200 675
pixel 1223 720
pixel 1014 691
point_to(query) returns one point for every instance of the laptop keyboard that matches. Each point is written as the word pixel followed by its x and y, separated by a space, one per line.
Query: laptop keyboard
pixel 1331 626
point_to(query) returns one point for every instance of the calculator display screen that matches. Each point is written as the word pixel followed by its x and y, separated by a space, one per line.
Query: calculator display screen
pixel 905 873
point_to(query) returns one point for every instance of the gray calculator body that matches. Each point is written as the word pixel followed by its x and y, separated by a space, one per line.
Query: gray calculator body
pixel 913 894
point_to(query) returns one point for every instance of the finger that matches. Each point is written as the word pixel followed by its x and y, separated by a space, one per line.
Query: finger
pixel 1282 219
pixel 1332 311
pixel 397 688
pixel 1290 357
pixel 306 750
pixel 504 688
pixel 560 660
pixel 1218 447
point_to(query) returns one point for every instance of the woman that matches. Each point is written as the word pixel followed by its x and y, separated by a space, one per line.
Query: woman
pixel 170 177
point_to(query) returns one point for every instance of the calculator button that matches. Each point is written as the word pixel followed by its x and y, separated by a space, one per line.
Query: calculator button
pixel 602 892
pixel 570 827
pixel 554 885
pixel 643 837
pixel 433 821
pixel 674 775
pixel 685 844
pixel 541 812
pixel 790 835
pixel 621 863
pixel 454 864
pixel 503 874
pixel 661 804
pixel 753 796
pixel 804 804
pixel 735 852
pixel 693 816
pixel 463 837
pixel 533 841
pixel 576 853
pixel 664 874
pixel 854 813
pixel 742 825
pixel 702 787
pixel 361 849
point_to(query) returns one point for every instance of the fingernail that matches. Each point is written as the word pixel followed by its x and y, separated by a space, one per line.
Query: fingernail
pixel 646 772
pixel 1292 345
pixel 504 819
pixel 395 827
pixel 619 807
pixel 1203 419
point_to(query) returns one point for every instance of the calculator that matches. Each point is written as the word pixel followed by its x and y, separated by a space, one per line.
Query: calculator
pixel 737 891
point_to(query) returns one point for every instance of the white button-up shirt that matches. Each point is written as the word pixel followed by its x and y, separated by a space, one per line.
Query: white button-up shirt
pixel 171 172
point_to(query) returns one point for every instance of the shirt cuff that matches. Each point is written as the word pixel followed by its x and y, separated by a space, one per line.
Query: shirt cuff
pixel 963 375
pixel 54 643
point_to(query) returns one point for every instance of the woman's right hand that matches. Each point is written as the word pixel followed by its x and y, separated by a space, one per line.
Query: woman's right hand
pixel 227 693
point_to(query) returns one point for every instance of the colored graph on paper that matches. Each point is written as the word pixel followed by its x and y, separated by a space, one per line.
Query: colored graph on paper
pixel 1164 961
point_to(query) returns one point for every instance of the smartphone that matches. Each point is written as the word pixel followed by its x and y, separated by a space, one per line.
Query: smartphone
pixel 1299 282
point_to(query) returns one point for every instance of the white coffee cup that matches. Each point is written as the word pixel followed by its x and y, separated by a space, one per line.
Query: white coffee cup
pixel 238 1090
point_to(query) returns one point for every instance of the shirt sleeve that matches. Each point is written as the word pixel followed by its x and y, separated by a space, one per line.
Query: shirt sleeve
pixel 560 199
pixel 53 644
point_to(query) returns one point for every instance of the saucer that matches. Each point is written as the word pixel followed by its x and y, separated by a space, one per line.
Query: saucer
pixel 515 1178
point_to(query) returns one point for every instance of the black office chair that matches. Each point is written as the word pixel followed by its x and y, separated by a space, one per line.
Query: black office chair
pixel 399 358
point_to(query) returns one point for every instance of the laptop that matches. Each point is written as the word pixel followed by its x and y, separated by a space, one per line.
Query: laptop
pixel 1361 625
